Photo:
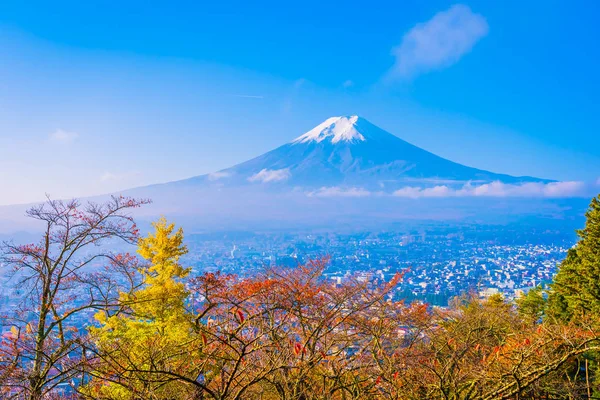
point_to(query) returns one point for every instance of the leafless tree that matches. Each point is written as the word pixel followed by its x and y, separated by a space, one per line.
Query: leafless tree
pixel 64 277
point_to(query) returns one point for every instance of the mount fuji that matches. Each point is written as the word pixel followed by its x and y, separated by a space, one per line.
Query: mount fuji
pixel 349 152
pixel 345 169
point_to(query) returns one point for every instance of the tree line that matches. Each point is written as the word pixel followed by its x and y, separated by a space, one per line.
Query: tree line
pixel 142 327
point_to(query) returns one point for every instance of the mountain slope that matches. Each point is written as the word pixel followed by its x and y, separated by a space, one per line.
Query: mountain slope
pixel 350 151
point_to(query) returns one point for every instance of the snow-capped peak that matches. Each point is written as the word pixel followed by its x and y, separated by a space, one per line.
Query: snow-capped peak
pixel 338 129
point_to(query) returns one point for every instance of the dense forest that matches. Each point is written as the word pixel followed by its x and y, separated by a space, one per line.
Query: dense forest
pixel 153 331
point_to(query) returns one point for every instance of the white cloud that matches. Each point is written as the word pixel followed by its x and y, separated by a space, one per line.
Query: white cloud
pixel 348 83
pixel 563 189
pixel 271 175
pixel 215 176
pixel 63 136
pixel 410 192
pixel 438 43
pixel 498 189
pixel 335 191
pixel 416 192
pixel 438 191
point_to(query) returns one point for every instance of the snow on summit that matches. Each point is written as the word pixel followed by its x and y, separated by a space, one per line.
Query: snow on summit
pixel 338 129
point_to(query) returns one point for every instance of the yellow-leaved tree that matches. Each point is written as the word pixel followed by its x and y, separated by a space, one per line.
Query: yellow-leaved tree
pixel 138 348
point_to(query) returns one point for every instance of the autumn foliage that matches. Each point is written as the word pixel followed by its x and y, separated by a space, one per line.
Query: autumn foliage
pixel 289 333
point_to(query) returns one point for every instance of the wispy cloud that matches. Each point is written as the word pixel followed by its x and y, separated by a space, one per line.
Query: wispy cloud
pixel 271 175
pixel 63 136
pixel 498 189
pixel 215 176
pixel 335 191
pixel 437 43
pixel 347 84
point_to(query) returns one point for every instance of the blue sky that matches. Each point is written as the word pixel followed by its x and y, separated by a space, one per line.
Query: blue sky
pixel 101 96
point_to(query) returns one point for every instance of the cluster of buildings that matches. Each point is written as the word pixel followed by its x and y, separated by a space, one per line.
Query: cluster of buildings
pixel 437 264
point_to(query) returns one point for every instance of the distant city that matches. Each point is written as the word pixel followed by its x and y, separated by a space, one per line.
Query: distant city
pixel 438 263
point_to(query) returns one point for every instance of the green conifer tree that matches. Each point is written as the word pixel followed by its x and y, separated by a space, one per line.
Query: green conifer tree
pixel 575 294
pixel 532 304
pixel 576 288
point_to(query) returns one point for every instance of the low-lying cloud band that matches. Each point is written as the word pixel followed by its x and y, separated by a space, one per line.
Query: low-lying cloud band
pixel 492 189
